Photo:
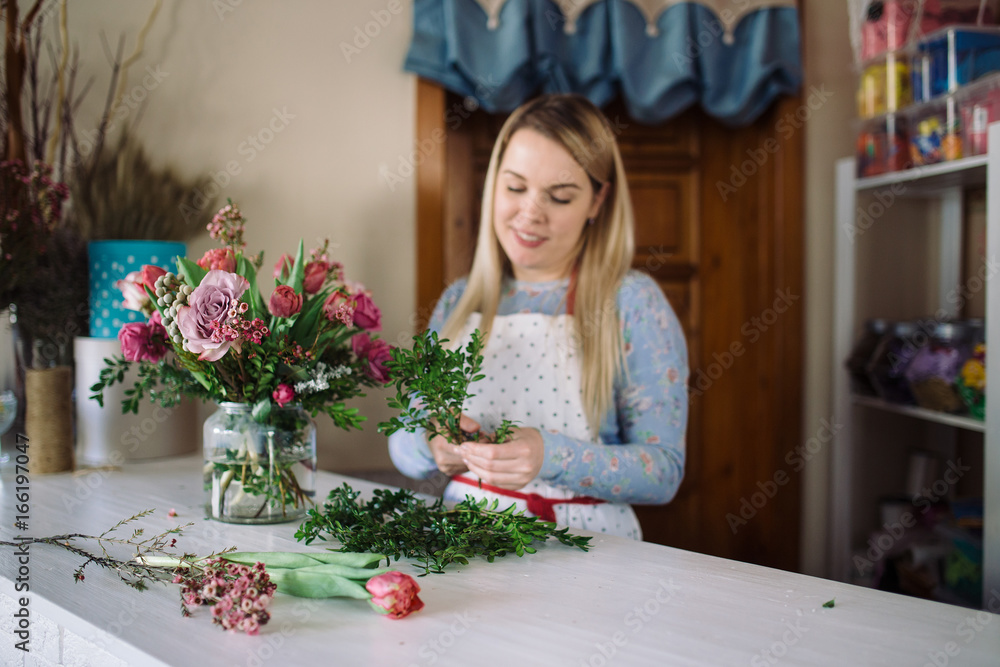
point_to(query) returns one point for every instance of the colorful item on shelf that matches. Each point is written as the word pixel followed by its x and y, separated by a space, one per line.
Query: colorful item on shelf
pixel 935 368
pixel 887 368
pixel 886 26
pixel 936 136
pixel 938 14
pixel 952 58
pixel 971 382
pixel 884 87
pixel 979 105
pixel 883 146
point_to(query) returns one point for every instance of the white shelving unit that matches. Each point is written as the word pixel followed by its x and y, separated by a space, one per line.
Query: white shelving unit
pixel 944 183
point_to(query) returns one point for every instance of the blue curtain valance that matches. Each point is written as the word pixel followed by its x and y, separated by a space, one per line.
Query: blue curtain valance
pixel 733 57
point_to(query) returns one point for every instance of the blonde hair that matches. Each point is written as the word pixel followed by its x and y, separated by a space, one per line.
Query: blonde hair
pixel 606 246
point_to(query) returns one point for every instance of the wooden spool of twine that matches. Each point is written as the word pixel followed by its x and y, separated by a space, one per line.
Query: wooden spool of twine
pixel 48 418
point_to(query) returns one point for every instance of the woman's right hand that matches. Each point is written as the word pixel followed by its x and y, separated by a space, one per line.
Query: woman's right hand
pixel 446 454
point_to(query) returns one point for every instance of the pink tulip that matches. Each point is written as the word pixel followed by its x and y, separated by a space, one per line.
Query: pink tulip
pixel 394 594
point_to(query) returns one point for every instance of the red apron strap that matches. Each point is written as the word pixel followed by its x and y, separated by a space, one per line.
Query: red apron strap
pixel 538 505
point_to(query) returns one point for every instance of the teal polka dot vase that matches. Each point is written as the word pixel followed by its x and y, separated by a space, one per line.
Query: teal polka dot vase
pixel 111 261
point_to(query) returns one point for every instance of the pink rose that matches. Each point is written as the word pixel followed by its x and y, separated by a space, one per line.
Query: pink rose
pixel 283 394
pixel 221 259
pixel 315 276
pixel 366 313
pixel 142 341
pixel 394 594
pixel 211 301
pixel 284 301
pixel 376 352
pixel 283 268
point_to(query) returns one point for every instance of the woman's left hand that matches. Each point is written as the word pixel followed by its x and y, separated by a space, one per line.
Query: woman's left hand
pixel 509 465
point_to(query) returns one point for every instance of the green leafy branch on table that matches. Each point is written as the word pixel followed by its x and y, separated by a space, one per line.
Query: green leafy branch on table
pixel 432 383
pixel 398 524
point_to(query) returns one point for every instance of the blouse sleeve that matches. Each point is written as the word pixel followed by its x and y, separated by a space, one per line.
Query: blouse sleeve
pixel 410 452
pixel 640 459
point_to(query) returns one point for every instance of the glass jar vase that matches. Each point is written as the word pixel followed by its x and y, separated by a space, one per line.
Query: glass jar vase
pixel 259 472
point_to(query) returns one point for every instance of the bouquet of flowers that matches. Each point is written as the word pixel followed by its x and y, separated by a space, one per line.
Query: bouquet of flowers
pixel 211 335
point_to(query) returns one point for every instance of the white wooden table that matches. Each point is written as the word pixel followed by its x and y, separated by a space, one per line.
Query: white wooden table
pixel 622 603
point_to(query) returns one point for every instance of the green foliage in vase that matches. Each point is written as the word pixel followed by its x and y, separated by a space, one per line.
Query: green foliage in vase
pixel 432 383
pixel 398 524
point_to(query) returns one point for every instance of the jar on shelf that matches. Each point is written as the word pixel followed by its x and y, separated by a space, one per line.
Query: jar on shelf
pixel 882 145
pixel 892 356
pixel 935 368
pixel 935 132
pixel 861 355
pixel 259 472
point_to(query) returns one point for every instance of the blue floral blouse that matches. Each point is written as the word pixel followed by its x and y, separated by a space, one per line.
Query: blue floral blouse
pixel 640 456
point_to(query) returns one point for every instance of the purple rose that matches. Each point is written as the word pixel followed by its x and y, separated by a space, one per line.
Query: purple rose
pixel 285 302
pixel 212 301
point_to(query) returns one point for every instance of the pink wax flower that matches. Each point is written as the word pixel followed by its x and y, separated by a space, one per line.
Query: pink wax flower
pixel 315 276
pixel 376 352
pixel 283 267
pixel 284 301
pixel 339 307
pixel 212 301
pixel 221 259
pixel 283 394
pixel 394 594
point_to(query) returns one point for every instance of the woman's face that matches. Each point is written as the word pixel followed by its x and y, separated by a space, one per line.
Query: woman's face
pixel 541 204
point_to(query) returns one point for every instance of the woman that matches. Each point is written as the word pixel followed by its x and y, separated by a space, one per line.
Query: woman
pixel 583 354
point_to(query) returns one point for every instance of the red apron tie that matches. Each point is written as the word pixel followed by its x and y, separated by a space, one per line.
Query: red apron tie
pixel 538 505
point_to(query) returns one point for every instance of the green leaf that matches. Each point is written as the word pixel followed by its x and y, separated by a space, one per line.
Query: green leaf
pixel 296 559
pixel 311 584
pixel 262 410
pixel 191 272
pixel 829 604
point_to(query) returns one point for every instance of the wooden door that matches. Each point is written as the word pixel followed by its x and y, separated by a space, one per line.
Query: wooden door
pixel 718 225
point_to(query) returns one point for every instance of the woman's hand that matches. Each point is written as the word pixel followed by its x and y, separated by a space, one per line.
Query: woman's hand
pixel 447 455
pixel 509 465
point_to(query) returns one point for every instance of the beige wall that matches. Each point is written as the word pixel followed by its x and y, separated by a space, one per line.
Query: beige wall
pixel 226 73
pixel 325 124
pixel 829 136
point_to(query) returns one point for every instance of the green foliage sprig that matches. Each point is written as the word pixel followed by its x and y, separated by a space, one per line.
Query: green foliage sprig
pixel 398 524
pixel 432 383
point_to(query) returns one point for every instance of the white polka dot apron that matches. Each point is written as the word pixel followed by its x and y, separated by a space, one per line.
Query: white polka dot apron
pixel 532 377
